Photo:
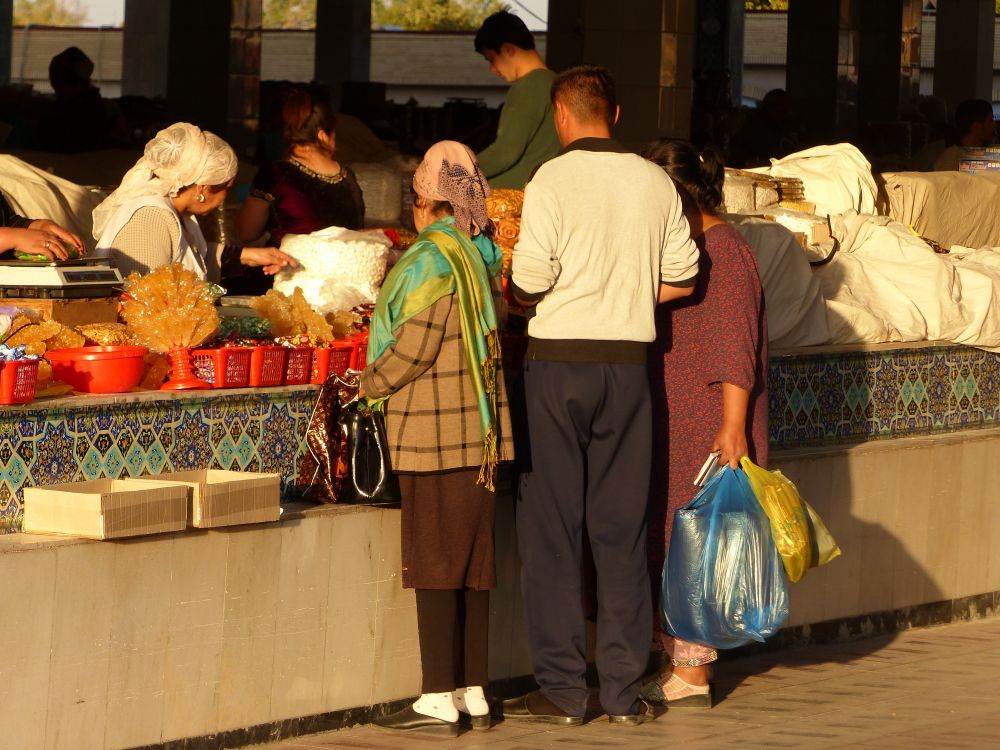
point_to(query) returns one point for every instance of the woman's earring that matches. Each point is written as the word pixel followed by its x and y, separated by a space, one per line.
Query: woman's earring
pixel 200 197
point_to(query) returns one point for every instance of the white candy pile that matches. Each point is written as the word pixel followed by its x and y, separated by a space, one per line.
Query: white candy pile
pixel 339 269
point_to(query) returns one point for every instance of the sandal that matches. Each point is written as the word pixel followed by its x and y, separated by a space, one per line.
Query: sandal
pixel 673 692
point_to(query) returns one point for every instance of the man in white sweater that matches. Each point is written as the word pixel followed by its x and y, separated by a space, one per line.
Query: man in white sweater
pixel 603 239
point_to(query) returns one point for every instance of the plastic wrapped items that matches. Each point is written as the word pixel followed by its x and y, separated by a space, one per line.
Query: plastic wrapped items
pixel 323 466
pixel 723 581
pixel 257 329
pixel 14 353
pixel 339 268
pixel 787 514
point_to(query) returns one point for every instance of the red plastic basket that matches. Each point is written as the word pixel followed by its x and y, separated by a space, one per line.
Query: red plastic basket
pixel 17 381
pixel 361 353
pixel 233 362
pixel 267 365
pixel 333 359
pixel 298 365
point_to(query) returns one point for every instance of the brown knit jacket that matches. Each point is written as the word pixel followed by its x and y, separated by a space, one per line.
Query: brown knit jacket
pixel 432 418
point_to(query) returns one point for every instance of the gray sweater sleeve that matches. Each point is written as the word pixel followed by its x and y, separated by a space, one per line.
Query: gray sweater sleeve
pixel 147 242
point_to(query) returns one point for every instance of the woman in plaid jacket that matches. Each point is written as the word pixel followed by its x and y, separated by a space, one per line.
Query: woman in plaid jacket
pixel 434 359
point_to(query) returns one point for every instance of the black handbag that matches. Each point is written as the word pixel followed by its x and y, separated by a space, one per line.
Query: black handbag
pixel 370 479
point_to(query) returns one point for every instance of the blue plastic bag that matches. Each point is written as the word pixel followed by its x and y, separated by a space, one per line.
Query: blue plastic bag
pixel 723 580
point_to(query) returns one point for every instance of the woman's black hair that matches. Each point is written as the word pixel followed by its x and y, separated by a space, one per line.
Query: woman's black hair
pixel 303 116
pixel 697 175
pixel 437 208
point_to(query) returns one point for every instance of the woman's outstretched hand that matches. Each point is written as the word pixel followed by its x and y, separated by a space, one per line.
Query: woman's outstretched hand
pixel 35 242
pixel 271 259
pixel 67 238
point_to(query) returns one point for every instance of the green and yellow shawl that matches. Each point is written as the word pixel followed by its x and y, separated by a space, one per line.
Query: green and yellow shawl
pixel 443 261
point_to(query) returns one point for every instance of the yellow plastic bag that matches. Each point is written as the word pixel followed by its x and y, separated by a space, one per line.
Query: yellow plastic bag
pixel 824 546
pixel 789 519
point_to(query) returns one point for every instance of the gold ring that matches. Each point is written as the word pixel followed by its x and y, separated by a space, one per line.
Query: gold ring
pixel 47 244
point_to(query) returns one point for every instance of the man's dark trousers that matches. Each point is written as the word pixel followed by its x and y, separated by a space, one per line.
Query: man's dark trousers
pixel 590 432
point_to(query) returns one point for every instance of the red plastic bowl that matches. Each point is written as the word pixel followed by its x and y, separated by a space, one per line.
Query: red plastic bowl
pixel 98 369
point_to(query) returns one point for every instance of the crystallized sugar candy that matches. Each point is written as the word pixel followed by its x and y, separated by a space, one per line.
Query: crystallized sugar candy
pixel 66 338
pixel 344 323
pixel 339 268
pixel 106 334
pixel 39 337
pixel 292 316
pixel 169 308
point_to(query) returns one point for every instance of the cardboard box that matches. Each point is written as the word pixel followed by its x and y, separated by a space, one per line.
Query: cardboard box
pixel 105 508
pixel 227 498
pixel 70 312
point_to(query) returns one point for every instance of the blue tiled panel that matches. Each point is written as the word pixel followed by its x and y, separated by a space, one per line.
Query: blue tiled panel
pixel 74 441
pixel 814 399
pixel 850 397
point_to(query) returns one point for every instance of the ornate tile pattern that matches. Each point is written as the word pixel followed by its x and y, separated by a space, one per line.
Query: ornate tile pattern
pixel 815 399
pixel 75 441
pixel 849 397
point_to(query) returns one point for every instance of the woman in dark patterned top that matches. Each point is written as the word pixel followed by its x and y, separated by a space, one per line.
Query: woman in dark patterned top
pixel 307 191
pixel 35 236
pixel 709 380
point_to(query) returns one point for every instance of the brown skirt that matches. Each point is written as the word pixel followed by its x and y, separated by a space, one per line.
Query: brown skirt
pixel 447 531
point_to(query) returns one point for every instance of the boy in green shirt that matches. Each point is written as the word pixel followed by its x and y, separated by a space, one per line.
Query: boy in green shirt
pixel 526 136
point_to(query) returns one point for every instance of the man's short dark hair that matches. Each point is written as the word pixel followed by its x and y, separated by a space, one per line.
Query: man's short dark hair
pixel 971 111
pixel 589 93
pixel 503 27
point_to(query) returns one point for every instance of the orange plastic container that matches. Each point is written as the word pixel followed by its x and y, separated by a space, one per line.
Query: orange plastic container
pixel 298 365
pixel 267 365
pixel 334 359
pixel 17 381
pixel 361 354
pixel 225 367
pixel 98 369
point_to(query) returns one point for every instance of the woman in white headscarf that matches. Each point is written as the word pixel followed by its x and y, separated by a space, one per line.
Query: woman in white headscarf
pixel 149 221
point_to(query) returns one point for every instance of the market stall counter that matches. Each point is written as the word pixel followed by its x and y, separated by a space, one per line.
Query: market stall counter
pixel 79 438
pixel 254 633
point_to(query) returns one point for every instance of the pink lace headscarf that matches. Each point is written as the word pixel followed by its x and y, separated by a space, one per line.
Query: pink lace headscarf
pixel 449 172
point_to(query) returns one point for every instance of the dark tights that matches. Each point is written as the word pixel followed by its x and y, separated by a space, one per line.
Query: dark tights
pixel 454 629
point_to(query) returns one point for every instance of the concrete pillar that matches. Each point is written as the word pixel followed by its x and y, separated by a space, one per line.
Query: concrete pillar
pixel 564 34
pixel 145 43
pixel 6 38
pixel 879 60
pixel 203 57
pixel 648 45
pixel 719 42
pixel 343 44
pixel 811 68
pixel 963 55
pixel 909 83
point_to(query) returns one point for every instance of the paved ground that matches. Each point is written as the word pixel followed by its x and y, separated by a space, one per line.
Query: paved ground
pixel 928 688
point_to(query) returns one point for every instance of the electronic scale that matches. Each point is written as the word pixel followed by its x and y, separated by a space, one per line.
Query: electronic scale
pixel 59 279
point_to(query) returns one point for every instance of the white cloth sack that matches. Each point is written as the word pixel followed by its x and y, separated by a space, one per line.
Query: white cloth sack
pixel 796 312
pixel 836 178
pixel 885 284
pixel 36 194
pixel 952 208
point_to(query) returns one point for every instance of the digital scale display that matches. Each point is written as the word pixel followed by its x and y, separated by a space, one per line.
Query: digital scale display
pixel 85 277
pixel 90 276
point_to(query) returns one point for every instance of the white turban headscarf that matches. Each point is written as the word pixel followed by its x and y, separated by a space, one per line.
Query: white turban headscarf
pixel 179 155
